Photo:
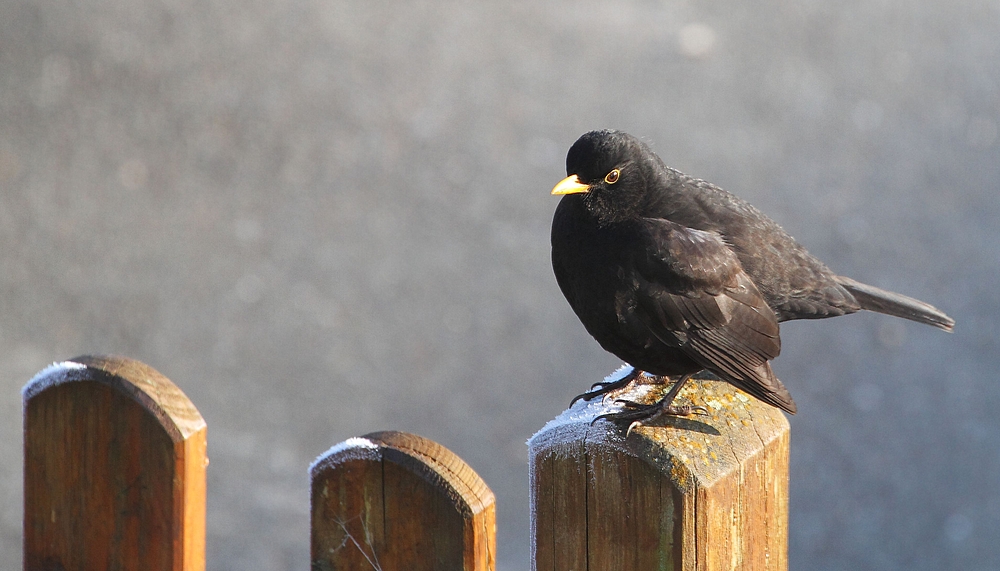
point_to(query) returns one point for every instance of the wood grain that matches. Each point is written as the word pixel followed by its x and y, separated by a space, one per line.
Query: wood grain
pixel 114 469
pixel 701 493
pixel 392 500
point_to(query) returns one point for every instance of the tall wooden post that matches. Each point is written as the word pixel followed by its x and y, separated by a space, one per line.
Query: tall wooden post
pixel 708 492
pixel 114 470
pixel 392 500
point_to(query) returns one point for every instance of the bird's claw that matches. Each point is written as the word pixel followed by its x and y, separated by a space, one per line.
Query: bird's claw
pixel 596 390
pixel 640 414
pixel 604 388
pixel 661 409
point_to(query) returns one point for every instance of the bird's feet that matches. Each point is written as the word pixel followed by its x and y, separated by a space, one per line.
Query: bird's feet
pixel 637 414
pixel 604 388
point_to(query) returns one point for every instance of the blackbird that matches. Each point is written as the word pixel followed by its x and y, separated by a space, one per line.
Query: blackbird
pixel 676 276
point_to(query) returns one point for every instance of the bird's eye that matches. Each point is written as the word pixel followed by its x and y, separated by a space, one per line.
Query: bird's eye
pixel 612 176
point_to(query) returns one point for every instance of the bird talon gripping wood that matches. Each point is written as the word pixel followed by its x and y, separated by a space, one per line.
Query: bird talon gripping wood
pixel 603 389
pixel 675 275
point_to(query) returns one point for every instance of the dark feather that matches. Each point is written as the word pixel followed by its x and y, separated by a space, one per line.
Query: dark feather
pixel 899 305
pixel 710 310
pixel 675 275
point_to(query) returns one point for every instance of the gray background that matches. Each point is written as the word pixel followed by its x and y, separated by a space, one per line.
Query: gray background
pixel 324 218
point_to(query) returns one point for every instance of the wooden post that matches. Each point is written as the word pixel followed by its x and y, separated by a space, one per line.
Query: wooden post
pixel 700 493
pixel 395 501
pixel 114 469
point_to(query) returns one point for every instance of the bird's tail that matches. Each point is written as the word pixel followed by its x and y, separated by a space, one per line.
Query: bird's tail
pixel 891 303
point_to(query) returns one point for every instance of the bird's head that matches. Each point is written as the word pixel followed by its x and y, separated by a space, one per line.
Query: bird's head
pixel 610 171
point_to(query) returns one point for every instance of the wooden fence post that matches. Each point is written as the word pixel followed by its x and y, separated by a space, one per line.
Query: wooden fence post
pixel 114 469
pixel 700 493
pixel 395 501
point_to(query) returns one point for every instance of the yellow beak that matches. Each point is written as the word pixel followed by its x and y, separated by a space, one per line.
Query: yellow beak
pixel 570 185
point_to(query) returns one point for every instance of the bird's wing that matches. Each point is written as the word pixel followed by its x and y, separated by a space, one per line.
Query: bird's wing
pixel 691 292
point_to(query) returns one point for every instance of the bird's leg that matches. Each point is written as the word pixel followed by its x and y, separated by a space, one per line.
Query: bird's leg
pixel 602 388
pixel 639 413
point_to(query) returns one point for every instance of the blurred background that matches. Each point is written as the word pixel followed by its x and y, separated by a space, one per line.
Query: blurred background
pixel 321 219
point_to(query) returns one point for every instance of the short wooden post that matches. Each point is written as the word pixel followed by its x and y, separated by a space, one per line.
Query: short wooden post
pixel 395 501
pixel 114 469
pixel 700 493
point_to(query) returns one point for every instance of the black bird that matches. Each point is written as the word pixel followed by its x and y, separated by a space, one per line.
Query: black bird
pixel 675 275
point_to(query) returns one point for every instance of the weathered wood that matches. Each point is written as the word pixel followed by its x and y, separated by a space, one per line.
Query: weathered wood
pixel 703 493
pixel 396 501
pixel 114 469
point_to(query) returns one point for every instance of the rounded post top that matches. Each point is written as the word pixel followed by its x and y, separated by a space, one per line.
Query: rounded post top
pixel 135 379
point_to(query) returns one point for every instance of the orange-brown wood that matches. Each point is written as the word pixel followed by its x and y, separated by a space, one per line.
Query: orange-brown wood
pixel 704 493
pixel 114 469
pixel 392 500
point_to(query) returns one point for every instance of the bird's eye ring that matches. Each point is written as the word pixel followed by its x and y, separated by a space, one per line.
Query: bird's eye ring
pixel 612 176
